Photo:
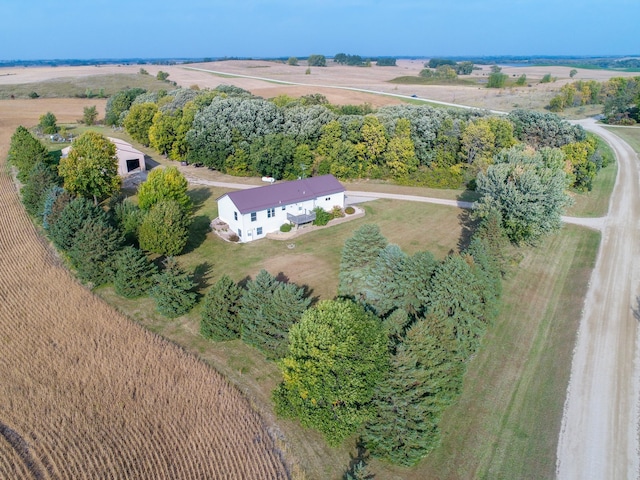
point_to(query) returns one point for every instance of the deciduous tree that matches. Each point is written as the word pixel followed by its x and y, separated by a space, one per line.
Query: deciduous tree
pixel 337 357
pixel 139 120
pixel 91 168
pixel 528 192
pixel 25 151
pixel 164 229
pixel 164 184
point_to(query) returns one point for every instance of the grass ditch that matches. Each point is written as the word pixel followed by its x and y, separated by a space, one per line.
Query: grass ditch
pixel 631 135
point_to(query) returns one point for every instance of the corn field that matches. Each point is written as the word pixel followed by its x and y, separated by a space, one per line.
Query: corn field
pixel 87 394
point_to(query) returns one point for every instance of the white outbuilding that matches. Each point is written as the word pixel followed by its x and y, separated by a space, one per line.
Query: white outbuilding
pixel 130 160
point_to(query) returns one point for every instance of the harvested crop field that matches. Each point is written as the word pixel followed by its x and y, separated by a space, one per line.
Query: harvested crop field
pixel 85 393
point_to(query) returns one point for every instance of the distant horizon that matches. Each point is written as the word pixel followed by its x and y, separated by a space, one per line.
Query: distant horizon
pixel 199 59
pixel 116 29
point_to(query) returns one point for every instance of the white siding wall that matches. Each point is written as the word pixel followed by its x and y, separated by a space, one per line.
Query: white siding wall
pixel 249 229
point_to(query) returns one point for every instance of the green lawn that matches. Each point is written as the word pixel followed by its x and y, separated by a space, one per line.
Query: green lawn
pixel 631 135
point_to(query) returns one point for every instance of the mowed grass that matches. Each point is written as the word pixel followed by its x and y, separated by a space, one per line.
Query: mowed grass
pixel 78 86
pixel 507 421
pixel 631 135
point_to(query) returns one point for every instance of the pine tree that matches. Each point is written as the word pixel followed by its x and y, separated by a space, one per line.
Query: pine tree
pixel 220 320
pixel 35 190
pixel 134 273
pixel 71 220
pixel 358 257
pixel 424 379
pixel 173 290
pixel 455 297
pixel 397 281
pixel 93 251
pixel 268 309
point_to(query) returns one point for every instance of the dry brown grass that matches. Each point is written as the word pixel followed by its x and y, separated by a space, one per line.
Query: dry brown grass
pixel 85 393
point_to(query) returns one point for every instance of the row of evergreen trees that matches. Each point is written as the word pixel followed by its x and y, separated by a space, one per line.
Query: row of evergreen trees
pixel 101 242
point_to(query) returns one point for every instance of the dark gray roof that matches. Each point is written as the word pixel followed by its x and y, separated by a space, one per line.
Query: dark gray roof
pixel 285 193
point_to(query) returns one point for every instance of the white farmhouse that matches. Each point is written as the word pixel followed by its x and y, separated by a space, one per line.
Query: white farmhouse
pixel 253 213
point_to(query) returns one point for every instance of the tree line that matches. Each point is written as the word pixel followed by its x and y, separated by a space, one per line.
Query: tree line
pixel 232 131
pixel 619 96
pixel 105 237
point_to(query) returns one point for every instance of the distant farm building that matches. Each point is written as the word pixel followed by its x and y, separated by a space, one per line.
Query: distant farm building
pixel 252 214
pixel 130 160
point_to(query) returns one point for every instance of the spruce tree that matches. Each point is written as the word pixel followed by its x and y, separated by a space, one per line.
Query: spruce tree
pixel 220 320
pixel 268 309
pixel 134 273
pixel 173 290
pixel 56 199
pixel 35 190
pixel 93 251
pixel 71 220
pixel 424 379
pixel 358 257
pixel 455 297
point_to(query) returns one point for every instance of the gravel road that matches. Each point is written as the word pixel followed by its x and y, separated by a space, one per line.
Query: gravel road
pixel 599 434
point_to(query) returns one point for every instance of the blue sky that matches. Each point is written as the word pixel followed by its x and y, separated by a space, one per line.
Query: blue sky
pixel 94 29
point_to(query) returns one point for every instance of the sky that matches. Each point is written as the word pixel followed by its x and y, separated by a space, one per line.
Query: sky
pixel 101 29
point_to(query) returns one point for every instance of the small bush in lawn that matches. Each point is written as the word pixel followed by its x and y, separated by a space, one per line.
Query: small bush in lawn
pixel 285 227
pixel 349 210
pixel 234 238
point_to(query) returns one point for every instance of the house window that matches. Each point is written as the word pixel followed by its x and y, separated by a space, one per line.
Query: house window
pixel 259 231
pixel 254 216
pixel 235 216
pixel 284 208
pixel 240 233
pixel 271 212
